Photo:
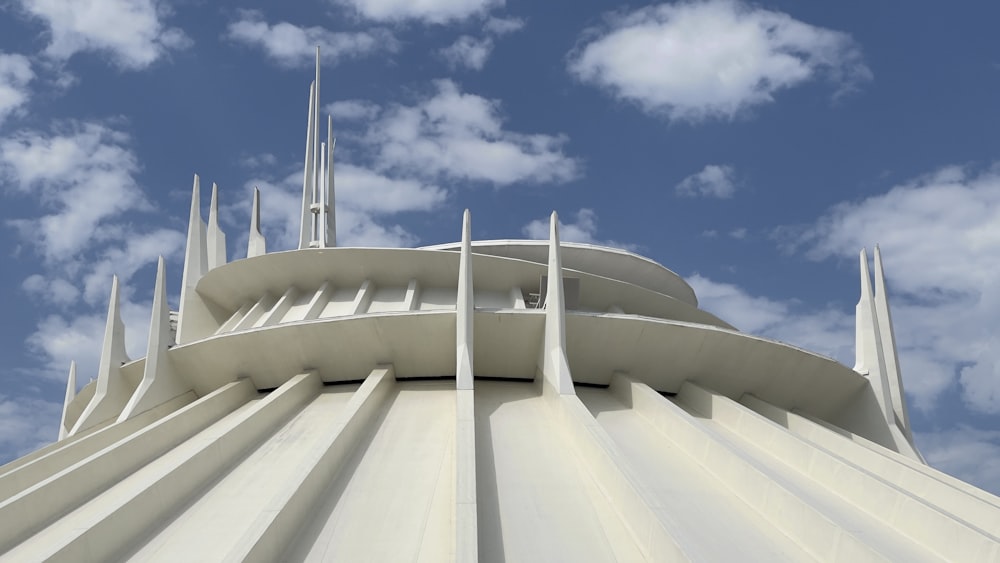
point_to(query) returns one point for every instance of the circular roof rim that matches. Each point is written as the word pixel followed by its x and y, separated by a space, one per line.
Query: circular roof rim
pixel 582 245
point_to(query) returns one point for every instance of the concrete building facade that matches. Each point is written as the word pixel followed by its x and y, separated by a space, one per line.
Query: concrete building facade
pixel 483 400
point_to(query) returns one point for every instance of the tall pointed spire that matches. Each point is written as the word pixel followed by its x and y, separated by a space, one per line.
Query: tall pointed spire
pixel 330 208
pixel 215 239
pixel 888 339
pixel 159 381
pixel 257 245
pixel 315 117
pixel 112 391
pixel 868 345
pixel 554 366
pixel 306 230
pixel 64 428
pixel 319 227
pixel 464 309
pixel 195 260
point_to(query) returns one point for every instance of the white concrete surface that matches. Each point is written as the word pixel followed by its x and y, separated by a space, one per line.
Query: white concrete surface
pixel 289 421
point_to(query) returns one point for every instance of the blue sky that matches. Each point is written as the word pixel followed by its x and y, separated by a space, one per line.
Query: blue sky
pixel 752 148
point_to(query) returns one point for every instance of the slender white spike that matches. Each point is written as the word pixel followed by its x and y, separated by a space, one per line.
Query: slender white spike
pixel 555 367
pixel 888 340
pixel 464 310
pixel 257 244
pixel 330 207
pixel 112 391
pixel 305 231
pixel 195 261
pixel 868 346
pixel 70 395
pixel 319 216
pixel 317 177
pixel 861 314
pixel 215 239
pixel 160 382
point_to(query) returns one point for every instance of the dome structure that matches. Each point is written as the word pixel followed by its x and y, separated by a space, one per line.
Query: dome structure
pixel 484 400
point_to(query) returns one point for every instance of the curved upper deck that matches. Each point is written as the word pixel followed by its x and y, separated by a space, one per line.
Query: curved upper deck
pixel 614 263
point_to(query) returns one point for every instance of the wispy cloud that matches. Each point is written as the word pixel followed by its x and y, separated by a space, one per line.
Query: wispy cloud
pixel 15 75
pixel 581 228
pixel 468 52
pixel 940 242
pixel 351 110
pixel 426 11
pixel 292 46
pixel 826 331
pixel 472 52
pixel 454 135
pixel 971 454
pixel 131 32
pixel 366 201
pixel 82 176
pixel 83 173
pixel 712 58
pixel 27 423
pixel 714 180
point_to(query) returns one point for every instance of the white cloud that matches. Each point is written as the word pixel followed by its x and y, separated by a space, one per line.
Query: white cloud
pixel 15 75
pixel 468 52
pixel 939 239
pixel 352 110
pixel 127 257
pixel 712 58
pixel 472 52
pixel 93 222
pixel 715 180
pixel 582 229
pixel 503 26
pixel 738 233
pixel 971 454
pixel 365 199
pixel 826 331
pixel 367 190
pixel 290 45
pixel 83 174
pixel 461 136
pixel 56 290
pixel 75 336
pixel 428 11
pixel 130 31
pixel 255 161
pixel 27 423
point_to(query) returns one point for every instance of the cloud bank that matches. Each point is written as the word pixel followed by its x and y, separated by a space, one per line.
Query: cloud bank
pixel 711 59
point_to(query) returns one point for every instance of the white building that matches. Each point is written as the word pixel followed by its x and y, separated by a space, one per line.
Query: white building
pixel 495 400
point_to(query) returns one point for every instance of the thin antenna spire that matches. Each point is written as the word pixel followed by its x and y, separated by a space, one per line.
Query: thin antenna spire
pixel 317 180
pixel 319 207
pixel 257 245
pixel 319 102
pixel 305 232
pixel 331 208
